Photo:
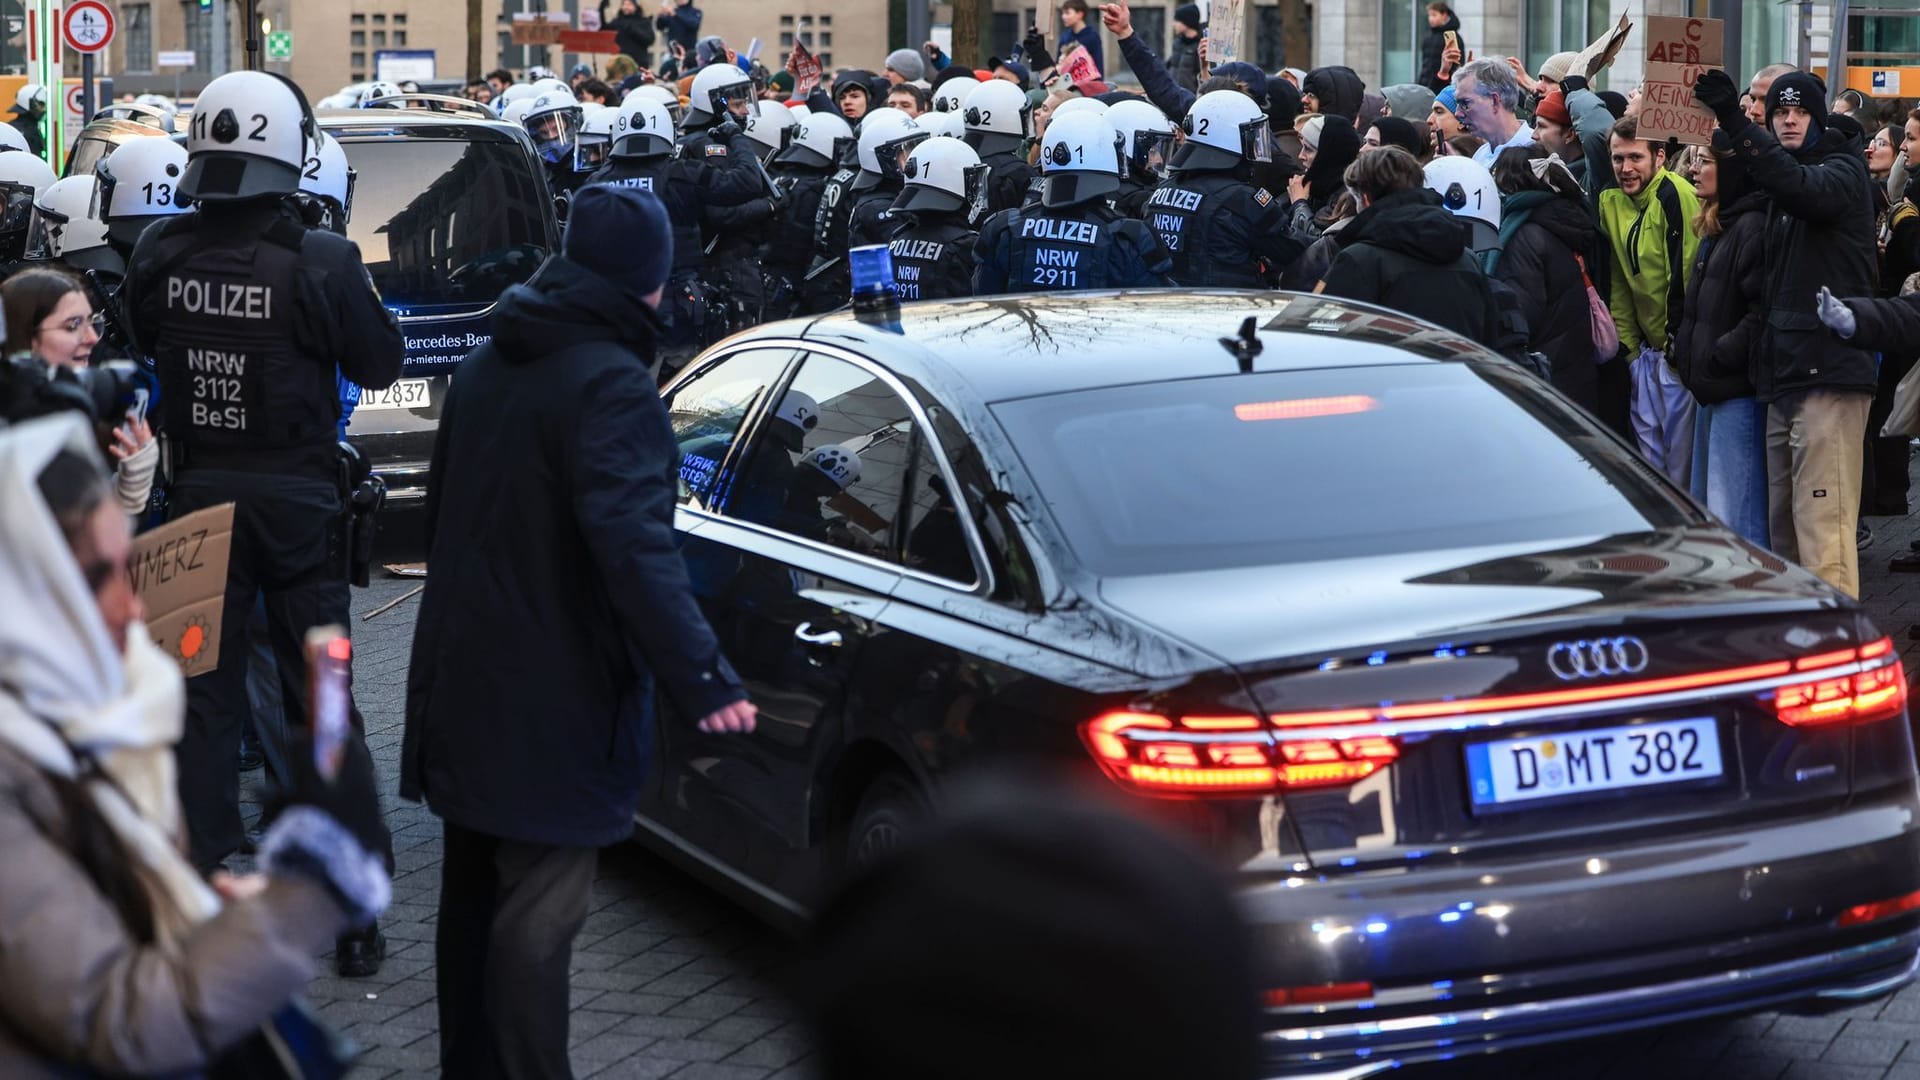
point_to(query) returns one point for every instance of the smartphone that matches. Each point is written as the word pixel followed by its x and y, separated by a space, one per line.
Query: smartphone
pixel 329 696
pixel 1452 39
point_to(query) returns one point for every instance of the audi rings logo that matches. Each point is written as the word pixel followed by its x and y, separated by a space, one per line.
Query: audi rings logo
pixel 1572 660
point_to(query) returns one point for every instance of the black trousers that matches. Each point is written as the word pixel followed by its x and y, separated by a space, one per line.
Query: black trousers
pixel 503 947
pixel 279 557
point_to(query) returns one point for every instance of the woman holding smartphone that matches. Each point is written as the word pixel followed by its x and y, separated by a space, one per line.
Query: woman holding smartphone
pixel 50 317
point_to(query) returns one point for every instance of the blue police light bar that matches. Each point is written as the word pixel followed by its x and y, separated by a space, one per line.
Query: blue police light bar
pixel 872 268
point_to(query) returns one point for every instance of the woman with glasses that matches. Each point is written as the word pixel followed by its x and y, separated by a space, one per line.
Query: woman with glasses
pixel 51 320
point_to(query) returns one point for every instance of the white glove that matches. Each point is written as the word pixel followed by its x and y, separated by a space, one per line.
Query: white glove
pixel 133 477
pixel 1837 315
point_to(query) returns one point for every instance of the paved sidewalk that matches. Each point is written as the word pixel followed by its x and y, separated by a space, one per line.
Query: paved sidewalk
pixel 672 981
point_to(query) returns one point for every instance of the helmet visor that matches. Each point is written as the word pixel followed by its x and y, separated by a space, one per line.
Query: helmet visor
pixel 1152 150
pixel 591 152
pixel 554 135
pixel 16 208
pixel 736 99
pixel 893 156
pixel 43 235
pixel 1256 140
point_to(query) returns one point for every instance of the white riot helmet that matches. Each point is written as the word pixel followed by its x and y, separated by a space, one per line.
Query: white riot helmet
pixel 997 117
pixel 664 95
pixel 1224 128
pixel 942 124
pixel 65 228
pixel 553 120
pixel 839 462
pixel 11 139
pixel 952 95
pixel 377 92
pixel 1146 137
pixel 944 175
pixel 23 178
pixel 138 183
pixel 250 137
pixel 820 141
pixel 518 92
pixel 716 90
pixel 549 85
pixel 158 101
pixel 886 137
pixel 771 124
pixel 538 72
pixel 596 136
pixel 159 119
pixel 31 96
pixel 1080 156
pixel 516 111
pixel 1467 190
pixel 330 177
pixel 1078 105
pixel 643 128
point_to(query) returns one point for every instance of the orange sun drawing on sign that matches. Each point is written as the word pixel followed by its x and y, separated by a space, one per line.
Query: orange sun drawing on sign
pixel 193 639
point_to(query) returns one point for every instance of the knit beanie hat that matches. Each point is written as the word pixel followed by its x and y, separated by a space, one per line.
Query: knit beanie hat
pixel 1555 67
pixel 621 234
pixel 907 64
pixel 1801 88
pixel 782 81
pixel 1409 101
pixel 1395 131
pixel 1553 109
pixel 1188 15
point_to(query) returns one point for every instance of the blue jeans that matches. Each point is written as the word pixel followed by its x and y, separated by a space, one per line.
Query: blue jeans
pixel 1730 465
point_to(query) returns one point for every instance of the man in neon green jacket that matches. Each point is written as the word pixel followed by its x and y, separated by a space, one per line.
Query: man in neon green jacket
pixel 1648 220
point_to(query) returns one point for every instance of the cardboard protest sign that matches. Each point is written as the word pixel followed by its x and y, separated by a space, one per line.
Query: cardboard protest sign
pixel 1678 51
pixel 806 71
pixel 1226 21
pixel 180 573
pixel 1078 66
pixel 1596 56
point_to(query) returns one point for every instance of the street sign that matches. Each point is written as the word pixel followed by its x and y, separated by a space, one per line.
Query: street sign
pixel 87 26
pixel 280 45
pixel 404 65
pixel 179 58
pixel 76 101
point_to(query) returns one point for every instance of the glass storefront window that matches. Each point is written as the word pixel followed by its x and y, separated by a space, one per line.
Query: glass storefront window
pixel 1399 45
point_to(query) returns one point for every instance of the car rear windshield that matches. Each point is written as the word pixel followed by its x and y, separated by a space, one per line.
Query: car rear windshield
pixel 446 224
pixel 1325 464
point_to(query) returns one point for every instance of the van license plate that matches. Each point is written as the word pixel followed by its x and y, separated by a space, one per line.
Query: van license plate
pixel 405 394
pixel 1607 759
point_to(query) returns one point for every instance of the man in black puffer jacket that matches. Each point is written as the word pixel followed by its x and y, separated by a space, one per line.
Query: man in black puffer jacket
pixel 1433 48
pixel 1404 251
pixel 1544 225
pixel 1713 348
pixel 1817 388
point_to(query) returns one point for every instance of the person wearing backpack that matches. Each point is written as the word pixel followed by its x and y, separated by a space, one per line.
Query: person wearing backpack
pixel 1645 222
pixel 1544 225
pixel 1406 251
pixel 1726 310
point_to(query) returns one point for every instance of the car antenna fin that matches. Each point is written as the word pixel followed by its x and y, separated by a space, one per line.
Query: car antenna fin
pixel 1244 347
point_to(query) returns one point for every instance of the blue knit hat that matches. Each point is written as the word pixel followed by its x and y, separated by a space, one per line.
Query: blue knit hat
pixel 622 234
pixel 1445 99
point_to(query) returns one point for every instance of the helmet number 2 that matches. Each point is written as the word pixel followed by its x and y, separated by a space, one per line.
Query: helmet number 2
pixel 1200 125
pixel 312 170
pixel 259 132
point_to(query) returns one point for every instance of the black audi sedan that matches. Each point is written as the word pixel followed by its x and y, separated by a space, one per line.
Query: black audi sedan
pixel 1505 739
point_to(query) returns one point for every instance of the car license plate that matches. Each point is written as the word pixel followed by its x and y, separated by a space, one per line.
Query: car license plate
pixel 405 394
pixel 1607 759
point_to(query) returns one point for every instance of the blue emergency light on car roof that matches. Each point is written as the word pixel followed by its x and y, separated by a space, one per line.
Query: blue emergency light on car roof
pixel 872 268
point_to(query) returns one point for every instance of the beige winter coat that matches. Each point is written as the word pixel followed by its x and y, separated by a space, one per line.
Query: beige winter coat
pixel 77 992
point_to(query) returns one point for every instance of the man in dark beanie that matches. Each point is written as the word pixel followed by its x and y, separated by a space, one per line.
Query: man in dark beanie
pixel 1816 387
pixel 557 599
pixel 1183 58
pixel 1061 923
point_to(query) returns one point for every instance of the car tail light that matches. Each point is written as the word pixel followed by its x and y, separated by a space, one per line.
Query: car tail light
pixel 1880 909
pixel 1323 994
pixel 1221 755
pixel 1877 693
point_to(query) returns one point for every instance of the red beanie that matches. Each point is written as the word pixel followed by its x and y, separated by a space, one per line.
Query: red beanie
pixel 1553 108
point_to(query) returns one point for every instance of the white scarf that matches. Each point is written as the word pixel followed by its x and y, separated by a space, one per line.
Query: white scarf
pixel 65 688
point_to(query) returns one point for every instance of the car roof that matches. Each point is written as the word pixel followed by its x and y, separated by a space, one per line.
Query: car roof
pixel 1007 347
pixel 374 121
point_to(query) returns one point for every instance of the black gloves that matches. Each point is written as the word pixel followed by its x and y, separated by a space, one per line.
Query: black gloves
pixel 1033 49
pixel 1716 91
pixel 352 799
pixel 727 130
pixel 1571 83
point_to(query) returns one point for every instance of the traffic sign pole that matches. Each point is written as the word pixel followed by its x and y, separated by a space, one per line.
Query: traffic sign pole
pixel 86 89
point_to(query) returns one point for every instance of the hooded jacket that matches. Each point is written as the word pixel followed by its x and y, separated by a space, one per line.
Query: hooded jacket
pixel 1652 243
pixel 682 27
pixel 1726 303
pixel 530 689
pixel 1433 50
pixel 1537 262
pixel 633 35
pixel 1339 90
pixel 1820 232
pixel 1406 252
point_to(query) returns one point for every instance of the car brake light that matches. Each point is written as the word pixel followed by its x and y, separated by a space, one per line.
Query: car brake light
pixel 1880 909
pixel 1323 994
pixel 1219 755
pixel 1304 408
pixel 1875 694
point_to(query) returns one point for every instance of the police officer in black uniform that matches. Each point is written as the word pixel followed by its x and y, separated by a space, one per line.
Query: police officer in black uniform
pixel 1222 231
pixel 643 157
pixel 553 121
pixel 887 136
pixel 828 279
pixel 933 237
pixel 248 316
pixel 999 121
pixel 1147 141
pixel 713 133
pixel 1074 239
pixel 802 170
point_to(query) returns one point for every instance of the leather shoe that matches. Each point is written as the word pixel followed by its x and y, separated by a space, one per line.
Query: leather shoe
pixel 1907 563
pixel 358 954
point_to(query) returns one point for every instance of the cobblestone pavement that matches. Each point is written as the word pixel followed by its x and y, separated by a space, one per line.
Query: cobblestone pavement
pixel 670 980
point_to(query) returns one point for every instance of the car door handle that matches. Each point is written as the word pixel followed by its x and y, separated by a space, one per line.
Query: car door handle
pixel 825 638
